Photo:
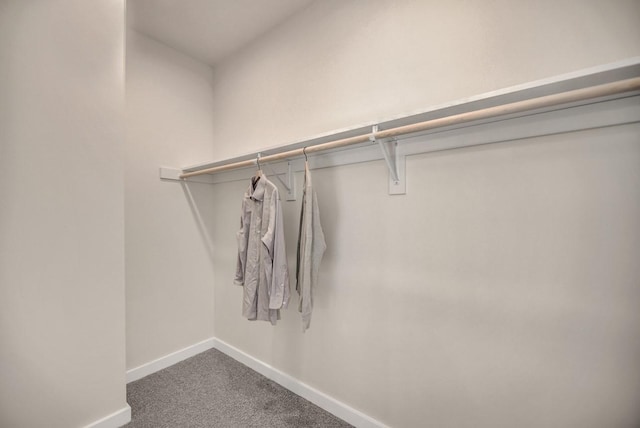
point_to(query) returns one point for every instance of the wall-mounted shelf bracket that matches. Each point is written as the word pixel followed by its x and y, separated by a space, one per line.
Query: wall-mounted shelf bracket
pixel 289 185
pixel 395 163
pixel 291 179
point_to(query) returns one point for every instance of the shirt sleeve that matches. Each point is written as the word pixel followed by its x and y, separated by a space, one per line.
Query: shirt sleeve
pixel 274 240
pixel 242 238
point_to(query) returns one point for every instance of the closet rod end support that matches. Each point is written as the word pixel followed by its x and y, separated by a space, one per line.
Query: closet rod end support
pixel 372 136
pixel 170 174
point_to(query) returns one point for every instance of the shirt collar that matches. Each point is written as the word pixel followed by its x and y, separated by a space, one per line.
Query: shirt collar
pixel 258 193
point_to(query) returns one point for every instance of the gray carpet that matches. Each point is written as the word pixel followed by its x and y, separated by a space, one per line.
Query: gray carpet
pixel 214 390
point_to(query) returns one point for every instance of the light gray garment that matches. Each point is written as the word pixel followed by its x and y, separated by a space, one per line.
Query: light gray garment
pixel 262 260
pixel 311 248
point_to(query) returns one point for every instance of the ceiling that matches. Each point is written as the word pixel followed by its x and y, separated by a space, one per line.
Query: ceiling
pixel 209 30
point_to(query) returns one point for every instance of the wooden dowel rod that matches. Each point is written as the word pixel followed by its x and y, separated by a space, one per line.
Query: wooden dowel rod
pixel 486 113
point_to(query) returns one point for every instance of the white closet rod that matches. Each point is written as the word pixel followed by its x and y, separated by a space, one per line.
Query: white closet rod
pixel 485 113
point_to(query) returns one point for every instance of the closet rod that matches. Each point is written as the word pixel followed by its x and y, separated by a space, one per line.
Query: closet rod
pixel 485 113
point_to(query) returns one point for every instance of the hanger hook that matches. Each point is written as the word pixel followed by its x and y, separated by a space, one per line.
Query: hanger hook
pixel 304 152
pixel 258 162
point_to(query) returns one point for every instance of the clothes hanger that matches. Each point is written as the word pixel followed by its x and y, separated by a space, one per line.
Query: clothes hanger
pixel 306 159
pixel 258 174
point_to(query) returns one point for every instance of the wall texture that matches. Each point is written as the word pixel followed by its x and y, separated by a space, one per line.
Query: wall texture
pixel 500 291
pixel 62 309
pixel 169 268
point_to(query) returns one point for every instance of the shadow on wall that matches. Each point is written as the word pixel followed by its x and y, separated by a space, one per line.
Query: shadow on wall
pixel 197 194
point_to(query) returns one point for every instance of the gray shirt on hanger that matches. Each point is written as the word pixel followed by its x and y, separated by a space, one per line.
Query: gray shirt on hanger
pixel 311 248
pixel 262 261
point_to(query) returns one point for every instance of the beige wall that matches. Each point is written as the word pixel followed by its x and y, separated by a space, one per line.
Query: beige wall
pixel 501 290
pixel 62 334
pixel 169 270
pixel 343 63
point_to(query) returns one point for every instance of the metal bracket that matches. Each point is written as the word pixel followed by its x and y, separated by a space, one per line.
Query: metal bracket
pixel 395 163
pixel 291 179
pixel 290 185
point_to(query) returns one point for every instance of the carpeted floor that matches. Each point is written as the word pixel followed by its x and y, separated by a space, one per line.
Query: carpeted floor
pixel 214 390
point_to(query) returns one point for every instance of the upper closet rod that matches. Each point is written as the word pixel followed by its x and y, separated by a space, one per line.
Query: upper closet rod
pixel 486 113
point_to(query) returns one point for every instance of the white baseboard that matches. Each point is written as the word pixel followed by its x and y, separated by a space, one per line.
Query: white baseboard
pixel 114 420
pixel 168 360
pixel 320 399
